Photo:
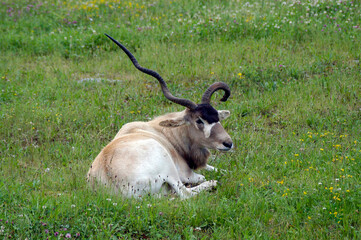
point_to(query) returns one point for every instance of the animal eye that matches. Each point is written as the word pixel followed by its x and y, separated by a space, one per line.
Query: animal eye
pixel 199 121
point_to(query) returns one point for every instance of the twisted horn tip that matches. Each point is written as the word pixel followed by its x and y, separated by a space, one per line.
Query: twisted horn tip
pixel 224 98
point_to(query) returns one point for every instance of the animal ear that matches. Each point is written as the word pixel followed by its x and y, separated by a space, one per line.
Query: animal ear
pixel 223 114
pixel 172 122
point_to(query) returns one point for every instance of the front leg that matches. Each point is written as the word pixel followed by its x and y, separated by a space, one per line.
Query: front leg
pixel 187 175
pixel 211 168
pixel 193 178
pixel 185 192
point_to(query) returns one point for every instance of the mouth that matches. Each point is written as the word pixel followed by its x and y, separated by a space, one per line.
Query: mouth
pixel 224 149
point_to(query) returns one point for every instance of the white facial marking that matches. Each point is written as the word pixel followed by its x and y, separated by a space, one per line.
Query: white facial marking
pixel 207 128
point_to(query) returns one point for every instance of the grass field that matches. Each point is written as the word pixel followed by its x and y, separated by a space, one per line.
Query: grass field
pixel 294 71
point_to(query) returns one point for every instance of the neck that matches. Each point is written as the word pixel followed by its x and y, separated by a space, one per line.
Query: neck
pixel 195 155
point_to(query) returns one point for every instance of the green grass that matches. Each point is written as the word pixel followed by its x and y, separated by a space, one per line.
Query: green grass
pixel 295 122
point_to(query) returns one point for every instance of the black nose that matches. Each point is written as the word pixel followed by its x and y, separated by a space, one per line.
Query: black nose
pixel 228 144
